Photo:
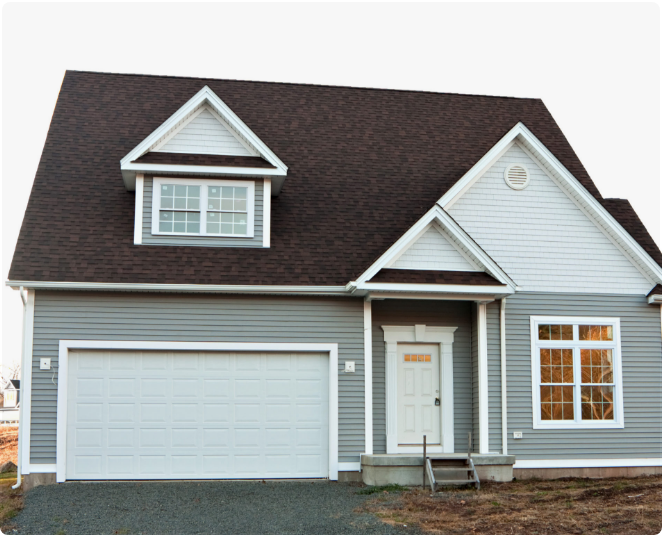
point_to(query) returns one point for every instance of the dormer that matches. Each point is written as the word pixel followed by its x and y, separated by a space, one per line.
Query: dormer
pixel 203 178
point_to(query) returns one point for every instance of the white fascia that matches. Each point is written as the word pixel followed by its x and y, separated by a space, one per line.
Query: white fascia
pixel 571 186
pixel 454 231
pixel 654 299
pixel 204 96
pixel 189 288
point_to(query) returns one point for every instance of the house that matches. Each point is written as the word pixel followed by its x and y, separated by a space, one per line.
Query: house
pixel 11 393
pixel 229 279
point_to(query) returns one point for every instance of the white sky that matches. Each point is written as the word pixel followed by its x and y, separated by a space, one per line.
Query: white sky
pixel 595 65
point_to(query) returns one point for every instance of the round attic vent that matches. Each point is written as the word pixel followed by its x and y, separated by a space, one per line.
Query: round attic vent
pixel 517 176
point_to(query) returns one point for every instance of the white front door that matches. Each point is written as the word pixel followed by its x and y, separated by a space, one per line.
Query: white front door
pixel 419 410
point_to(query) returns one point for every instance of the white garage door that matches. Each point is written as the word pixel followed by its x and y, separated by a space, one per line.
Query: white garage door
pixel 188 415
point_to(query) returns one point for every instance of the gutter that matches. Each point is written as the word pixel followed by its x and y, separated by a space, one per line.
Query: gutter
pixel 201 288
pixel 20 405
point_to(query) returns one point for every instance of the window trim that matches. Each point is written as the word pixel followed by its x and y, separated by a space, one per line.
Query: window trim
pixel 157 182
pixel 619 421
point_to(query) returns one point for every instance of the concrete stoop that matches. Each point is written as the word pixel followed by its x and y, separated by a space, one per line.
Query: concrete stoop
pixel 407 470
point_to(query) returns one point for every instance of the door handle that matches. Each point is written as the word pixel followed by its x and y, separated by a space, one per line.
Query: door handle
pixel 437 402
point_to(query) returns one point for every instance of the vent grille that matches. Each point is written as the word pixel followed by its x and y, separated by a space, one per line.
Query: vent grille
pixel 517 176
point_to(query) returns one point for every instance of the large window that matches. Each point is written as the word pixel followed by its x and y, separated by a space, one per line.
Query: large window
pixel 576 372
pixel 203 207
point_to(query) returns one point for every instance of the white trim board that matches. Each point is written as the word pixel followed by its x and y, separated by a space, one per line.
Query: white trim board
pixel 458 237
pixel 138 216
pixel 26 384
pixel 63 375
pixel 587 463
pixel 203 97
pixel 367 374
pixel 483 381
pixel 349 467
pixel 193 288
pixel 569 184
pixel 395 334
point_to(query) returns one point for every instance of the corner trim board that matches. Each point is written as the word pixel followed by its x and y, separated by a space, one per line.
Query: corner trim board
pixel 62 387
pixel 483 397
pixel 26 385
pixel 138 221
pixel 367 373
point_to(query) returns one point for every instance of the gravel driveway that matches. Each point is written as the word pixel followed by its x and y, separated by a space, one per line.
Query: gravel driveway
pixel 191 508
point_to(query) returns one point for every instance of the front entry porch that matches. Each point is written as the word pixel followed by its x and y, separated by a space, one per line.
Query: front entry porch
pixel 407 469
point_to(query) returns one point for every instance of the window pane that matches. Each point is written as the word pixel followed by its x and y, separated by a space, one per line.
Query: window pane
pixel 227 204
pixel 556 403
pixel 584 332
pixel 597 366
pixel 214 204
pixel 556 366
pixel 543 332
pixel 240 205
pixel 597 402
pixel 596 332
pixel 566 332
pixel 180 191
pixel 214 192
pixel 184 222
pixel 213 228
pixel 167 190
pixel 556 332
pixel 167 202
pixel 240 193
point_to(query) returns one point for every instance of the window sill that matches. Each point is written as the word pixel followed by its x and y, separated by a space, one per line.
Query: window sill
pixel 582 425
pixel 198 235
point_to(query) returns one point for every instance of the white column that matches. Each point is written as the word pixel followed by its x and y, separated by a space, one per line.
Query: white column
pixel 367 367
pixel 447 399
pixel 25 415
pixel 483 410
pixel 504 379
pixel 392 396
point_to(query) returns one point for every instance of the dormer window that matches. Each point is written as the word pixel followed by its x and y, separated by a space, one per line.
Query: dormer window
pixel 203 207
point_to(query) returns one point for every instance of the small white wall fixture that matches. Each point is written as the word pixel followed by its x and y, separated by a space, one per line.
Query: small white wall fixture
pixel 419 334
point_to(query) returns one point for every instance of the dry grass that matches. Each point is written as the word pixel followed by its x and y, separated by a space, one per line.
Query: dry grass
pixel 569 506
pixel 8 444
pixel 11 501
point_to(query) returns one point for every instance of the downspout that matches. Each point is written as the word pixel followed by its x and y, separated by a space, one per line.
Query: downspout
pixel 504 393
pixel 20 404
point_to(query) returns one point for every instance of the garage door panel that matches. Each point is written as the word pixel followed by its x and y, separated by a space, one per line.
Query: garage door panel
pixel 171 415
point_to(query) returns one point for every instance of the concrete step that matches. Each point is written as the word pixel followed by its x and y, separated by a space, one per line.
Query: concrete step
pixel 444 482
pixel 451 469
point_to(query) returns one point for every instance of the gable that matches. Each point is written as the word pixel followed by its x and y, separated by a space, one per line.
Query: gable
pixel 205 133
pixel 539 236
pixel 432 251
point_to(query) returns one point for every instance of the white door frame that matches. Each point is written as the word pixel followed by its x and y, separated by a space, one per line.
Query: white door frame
pixel 394 335
pixel 63 379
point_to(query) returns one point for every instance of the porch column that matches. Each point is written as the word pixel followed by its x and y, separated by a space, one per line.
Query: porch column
pixel 367 370
pixel 483 409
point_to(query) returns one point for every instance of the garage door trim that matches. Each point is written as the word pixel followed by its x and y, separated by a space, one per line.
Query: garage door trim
pixel 63 372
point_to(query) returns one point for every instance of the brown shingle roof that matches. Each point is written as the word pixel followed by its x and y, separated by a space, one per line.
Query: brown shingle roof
pixel 622 211
pixel 364 165
pixel 415 276
pixel 655 291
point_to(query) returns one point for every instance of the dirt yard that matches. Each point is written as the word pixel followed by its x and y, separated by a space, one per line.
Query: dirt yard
pixel 8 444
pixel 569 506
pixel 11 501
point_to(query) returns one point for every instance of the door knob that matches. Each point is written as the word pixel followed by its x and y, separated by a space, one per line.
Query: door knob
pixel 437 402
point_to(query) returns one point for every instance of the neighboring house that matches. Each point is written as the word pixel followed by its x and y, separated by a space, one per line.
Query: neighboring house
pixel 11 393
pixel 258 280
pixel 9 412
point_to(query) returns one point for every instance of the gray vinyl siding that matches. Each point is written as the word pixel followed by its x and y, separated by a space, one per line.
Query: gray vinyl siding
pixel 641 347
pixel 203 241
pixel 432 313
pixel 180 317
pixel 494 375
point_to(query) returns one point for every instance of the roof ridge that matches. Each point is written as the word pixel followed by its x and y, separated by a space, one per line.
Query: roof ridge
pixel 300 84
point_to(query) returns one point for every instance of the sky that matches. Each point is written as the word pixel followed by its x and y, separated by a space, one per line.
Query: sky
pixel 595 65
